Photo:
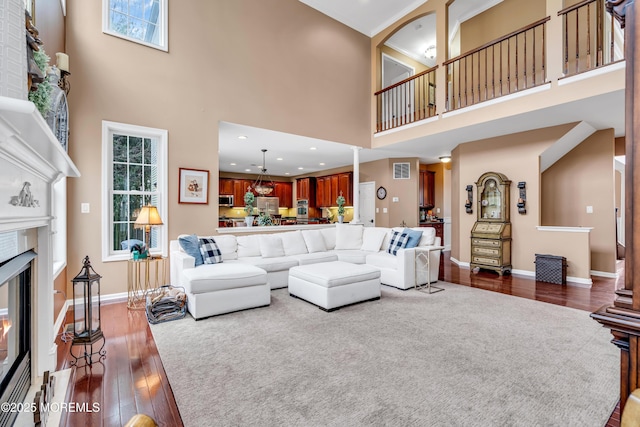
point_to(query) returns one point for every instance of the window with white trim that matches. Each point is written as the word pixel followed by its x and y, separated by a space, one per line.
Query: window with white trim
pixel 140 21
pixel 134 175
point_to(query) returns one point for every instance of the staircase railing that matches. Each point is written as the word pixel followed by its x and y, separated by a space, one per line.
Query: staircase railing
pixel 592 37
pixel 407 101
pixel 509 64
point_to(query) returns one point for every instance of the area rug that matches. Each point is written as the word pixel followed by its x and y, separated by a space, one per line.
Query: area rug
pixel 462 357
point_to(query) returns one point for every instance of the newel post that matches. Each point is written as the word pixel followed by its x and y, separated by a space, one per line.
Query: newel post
pixel 623 317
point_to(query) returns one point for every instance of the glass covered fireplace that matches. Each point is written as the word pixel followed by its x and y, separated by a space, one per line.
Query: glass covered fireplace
pixel 15 331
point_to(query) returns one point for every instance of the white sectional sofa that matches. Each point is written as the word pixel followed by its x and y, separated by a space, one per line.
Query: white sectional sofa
pixel 277 253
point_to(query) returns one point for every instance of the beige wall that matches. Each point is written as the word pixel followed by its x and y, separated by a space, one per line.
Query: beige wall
pixel 505 17
pixel 516 156
pixel 418 67
pixel 585 177
pixel 50 24
pixel 273 64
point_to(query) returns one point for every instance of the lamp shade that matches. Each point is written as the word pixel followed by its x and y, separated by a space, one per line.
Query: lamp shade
pixel 148 216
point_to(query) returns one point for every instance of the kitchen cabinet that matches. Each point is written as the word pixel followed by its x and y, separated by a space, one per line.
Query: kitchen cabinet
pixel 345 184
pixel 306 190
pixel 321 194
pixel 239 189
pixel 491 234
pixel 284 192
pixel 225 186
pixel 427 184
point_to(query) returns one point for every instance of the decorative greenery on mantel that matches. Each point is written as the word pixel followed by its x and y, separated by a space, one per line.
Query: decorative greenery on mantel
pixel 42 96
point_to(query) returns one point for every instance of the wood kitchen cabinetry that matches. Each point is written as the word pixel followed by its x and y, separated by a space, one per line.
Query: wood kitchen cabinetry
pixel 426 196
pixel 491 234
pixel 284 192
pixel 328 189
pixel 306 190
pixel 225 186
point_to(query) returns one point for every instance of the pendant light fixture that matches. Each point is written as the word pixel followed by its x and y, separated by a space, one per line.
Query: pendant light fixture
pixel 264 184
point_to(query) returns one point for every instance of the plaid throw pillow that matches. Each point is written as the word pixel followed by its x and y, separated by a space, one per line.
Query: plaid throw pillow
pixel 398 241
pixel 210 251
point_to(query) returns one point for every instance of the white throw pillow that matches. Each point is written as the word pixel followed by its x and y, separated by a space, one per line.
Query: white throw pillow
pixel 271 246
pixel 348 236
pixel 293 243
pixel 372 238
pixel 314 241
pixel 228 246
pixel 329 235
pixel 248 246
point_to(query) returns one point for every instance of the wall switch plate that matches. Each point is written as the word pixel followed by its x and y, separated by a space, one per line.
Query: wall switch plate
pixel 395 199
pixel 589 209
pixel 85 208
pixel 384 210
pixel 437 210
pixel 377 210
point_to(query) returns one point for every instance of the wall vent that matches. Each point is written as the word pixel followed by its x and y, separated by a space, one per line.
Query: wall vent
pixel 401 170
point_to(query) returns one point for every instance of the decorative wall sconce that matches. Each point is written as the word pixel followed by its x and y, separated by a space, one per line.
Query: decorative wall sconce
pixel 522 200
pixel 469 203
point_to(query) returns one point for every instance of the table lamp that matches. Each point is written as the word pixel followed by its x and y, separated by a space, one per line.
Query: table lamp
pixel 147 218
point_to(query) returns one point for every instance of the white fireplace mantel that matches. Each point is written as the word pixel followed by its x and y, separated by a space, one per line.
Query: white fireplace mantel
pixel 30 153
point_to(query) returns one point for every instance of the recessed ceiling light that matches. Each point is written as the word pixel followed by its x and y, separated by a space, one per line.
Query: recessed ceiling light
pixel 313 148
pixel 232 164
pixel 279 158
pixel 322 164
pixel 300 168
pixel 287 173
pixel 247 170
pixel 243 137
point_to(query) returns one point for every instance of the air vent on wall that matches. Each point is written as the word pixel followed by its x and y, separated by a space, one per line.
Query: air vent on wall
pixel 401 170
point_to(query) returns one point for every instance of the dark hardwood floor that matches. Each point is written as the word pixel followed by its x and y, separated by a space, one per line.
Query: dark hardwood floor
pixel 131 379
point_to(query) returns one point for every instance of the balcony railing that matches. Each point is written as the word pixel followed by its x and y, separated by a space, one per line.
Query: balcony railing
pixel 506 65
pixel 407 101
pixel 592 37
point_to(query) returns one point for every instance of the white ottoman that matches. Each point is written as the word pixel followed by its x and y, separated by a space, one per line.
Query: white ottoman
pixel 331 285
pixel 214 289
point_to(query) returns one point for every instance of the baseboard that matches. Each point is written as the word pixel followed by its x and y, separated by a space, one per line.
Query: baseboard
pixel 109 298
pixel 581 281
pixel 604 274
pixel 459 263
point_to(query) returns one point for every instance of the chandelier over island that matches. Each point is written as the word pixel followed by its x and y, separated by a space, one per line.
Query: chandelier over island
pixel 263 185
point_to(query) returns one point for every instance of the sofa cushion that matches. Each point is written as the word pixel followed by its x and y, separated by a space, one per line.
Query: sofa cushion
pixel 329 236
pixel 348 236
pixel 293 243
pixel 248 246
pixel 398 241
pixel 428 236
pixel 383 260
pixel 191 246
pixel 414 237
pixel 372 238
pixel 215 277
pixel 210 251
pixel 314 241
pixel 270 246
pixel 314 258
pixel 270 264
pixel 228 246
pixel 351 256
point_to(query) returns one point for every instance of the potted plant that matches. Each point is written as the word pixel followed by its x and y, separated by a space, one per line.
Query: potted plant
pixel 249 200
pixel 340 202
pixel 264 219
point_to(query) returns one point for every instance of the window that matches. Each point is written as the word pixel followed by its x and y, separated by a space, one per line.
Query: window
pixel 134 174
pixel 140 21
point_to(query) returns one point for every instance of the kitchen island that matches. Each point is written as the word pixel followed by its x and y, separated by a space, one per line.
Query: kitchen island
pixel 270 228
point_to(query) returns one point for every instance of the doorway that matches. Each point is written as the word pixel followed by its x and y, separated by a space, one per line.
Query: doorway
pixel 367 203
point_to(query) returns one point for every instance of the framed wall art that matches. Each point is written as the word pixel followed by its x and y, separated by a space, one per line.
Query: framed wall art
pixel 193 186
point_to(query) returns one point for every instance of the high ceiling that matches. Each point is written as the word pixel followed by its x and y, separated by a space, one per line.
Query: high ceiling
pixel 370 17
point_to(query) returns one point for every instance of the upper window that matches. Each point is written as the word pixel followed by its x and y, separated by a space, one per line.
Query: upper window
pixel 134 175
pixel 140 21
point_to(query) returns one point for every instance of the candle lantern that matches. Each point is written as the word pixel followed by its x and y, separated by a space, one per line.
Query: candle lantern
pixel 87 331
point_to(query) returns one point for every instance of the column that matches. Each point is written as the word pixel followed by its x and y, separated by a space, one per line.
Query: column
pixel 356 185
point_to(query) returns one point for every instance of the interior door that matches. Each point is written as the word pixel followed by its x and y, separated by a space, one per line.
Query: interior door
pixel 368 203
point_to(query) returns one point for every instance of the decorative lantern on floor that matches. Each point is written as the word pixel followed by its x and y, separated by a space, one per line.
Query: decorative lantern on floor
pixel 86 314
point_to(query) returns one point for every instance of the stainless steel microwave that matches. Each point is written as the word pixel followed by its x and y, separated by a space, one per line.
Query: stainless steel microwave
pixel 225 200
